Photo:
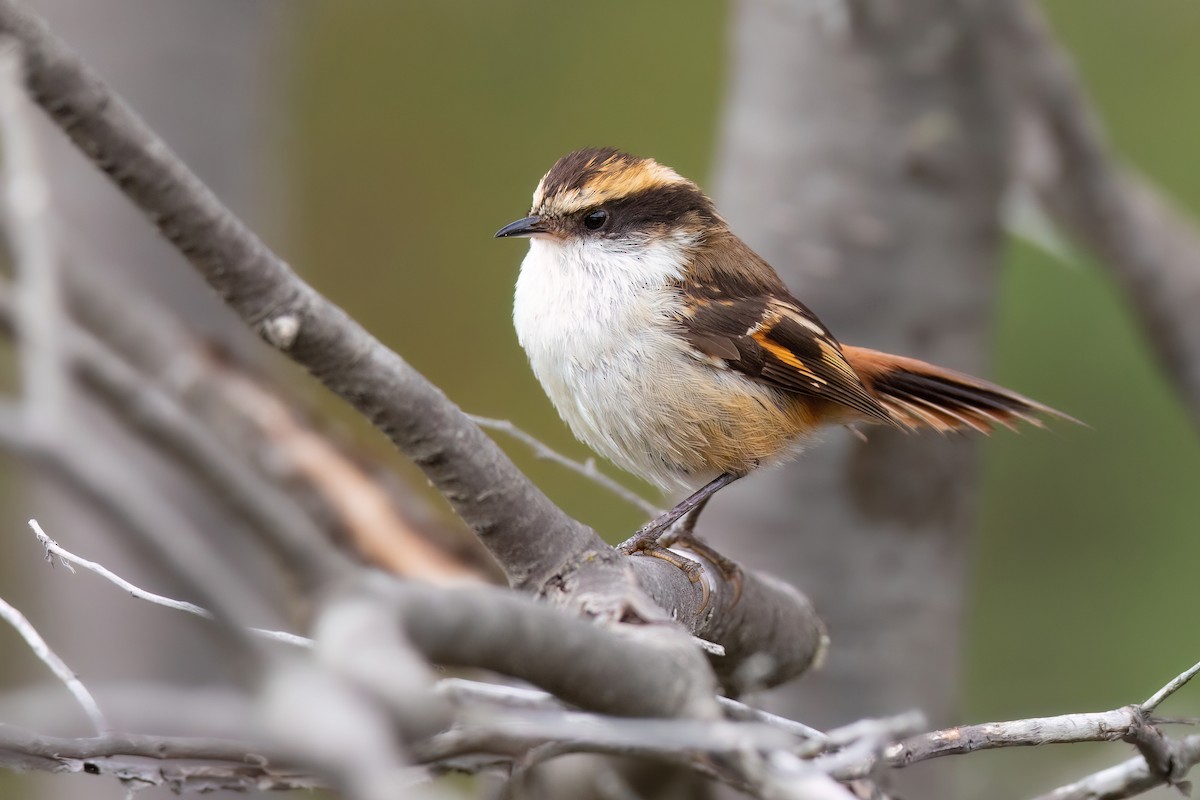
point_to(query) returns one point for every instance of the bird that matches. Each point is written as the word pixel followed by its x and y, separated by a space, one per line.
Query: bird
pixel 674 350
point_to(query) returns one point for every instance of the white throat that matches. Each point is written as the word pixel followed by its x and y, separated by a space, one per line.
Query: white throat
pixel 579 299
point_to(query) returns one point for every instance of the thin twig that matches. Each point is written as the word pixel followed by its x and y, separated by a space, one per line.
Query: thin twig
pixel 461 689
pixel 147 761
pixel 53 548
pixel 59 667
pixel 712 648
pixel 518 731
pixel 735 709
pixel 588 468
pixel 1127 779
pixel 1171 688
pixel 882 731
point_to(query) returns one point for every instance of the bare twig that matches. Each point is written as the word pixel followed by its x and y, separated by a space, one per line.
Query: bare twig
pixel 513 733
pixel 146 518
pixel 68 558
pixel 1129 778
pixel 783 775
pixel 146 761
pixel 587 469
pixel 59 667
pixel 880 731
pixel 1102 726
pixel 736 709
pixel 1177 683
pixel 468 691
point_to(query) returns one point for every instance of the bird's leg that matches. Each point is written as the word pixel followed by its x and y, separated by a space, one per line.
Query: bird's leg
pixel 648 534
pixel 687 524
pixel 683 534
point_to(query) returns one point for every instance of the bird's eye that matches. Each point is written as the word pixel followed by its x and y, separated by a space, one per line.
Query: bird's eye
pixel 595 220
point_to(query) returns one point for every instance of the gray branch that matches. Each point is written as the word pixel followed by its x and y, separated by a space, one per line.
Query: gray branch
pixel 509 513
pixel 1129 778
pixel 1150 247
pixel 151 761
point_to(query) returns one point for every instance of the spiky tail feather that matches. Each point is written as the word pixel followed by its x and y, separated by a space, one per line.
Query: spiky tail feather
pixel 919 395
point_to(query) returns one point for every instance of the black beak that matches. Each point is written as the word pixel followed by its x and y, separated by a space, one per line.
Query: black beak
pixel 522 227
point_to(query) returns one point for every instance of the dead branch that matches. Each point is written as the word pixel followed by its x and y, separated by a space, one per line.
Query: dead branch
pixel 180 765
pixel 1129 778
pixel 587 469
pixel 487 726
pixel 67 558
pixel 59 667
pixel 487 491
pixel 1149 246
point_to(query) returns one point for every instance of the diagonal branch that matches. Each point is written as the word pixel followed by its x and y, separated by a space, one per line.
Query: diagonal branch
pixel 68 558
pixel 1173 686
pixel 528 534
pixel 587 468
pixel 52 660
pixel 1152 250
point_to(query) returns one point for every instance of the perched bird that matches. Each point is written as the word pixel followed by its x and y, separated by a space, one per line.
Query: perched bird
pixel 673 349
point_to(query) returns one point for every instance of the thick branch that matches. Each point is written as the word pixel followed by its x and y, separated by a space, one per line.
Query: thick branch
pixel 1163 760
pixel 1129 778
pixel 586 665
pixel 230 765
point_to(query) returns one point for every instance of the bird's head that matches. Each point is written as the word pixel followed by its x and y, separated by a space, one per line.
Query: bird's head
pixel 614 201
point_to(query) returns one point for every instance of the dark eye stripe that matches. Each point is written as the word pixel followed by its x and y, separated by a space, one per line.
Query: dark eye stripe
pixel 660 206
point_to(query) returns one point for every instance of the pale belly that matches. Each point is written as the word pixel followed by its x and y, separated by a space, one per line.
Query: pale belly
pixel 677 423
pixel 663 414
pixel 636 393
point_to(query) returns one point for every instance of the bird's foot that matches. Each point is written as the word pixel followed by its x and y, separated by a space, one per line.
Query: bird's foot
pixel 693 569
pixel 689 508
pixel 647 535
pixel 730 571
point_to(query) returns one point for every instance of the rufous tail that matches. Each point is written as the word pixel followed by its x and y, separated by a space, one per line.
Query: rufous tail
pixel 920 395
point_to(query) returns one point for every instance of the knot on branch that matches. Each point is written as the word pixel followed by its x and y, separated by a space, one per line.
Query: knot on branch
pixel 1162 754
pixel 281 330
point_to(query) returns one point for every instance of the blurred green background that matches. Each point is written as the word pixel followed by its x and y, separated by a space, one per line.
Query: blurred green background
pixel 417 129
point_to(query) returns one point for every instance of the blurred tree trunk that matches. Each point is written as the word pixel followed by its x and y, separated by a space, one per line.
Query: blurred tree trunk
pixel 203 75
pixel 863 154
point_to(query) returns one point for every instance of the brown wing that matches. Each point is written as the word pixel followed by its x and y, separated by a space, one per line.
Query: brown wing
pixel 775 339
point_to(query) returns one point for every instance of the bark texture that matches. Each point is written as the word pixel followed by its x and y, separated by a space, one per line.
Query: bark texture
pixel 863 154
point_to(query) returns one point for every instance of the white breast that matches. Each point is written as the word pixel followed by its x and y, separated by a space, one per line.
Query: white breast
pixel 595 322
